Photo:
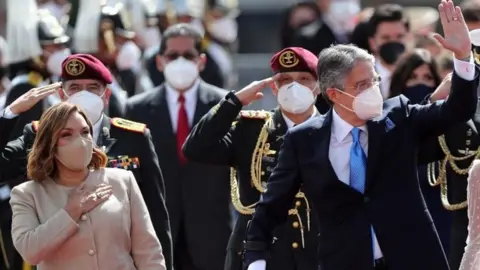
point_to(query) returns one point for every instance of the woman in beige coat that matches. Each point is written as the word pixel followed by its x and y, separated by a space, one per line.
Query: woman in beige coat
pixel 75 213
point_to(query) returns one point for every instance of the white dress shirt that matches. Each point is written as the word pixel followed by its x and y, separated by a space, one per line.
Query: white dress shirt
pixel 341 141
pixel 190 96
pixel 96 129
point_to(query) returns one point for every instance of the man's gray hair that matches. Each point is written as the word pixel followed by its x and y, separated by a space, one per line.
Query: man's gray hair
pixel 335 63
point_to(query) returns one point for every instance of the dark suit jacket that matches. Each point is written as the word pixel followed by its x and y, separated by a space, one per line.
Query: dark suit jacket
pixel 119 144
pixel 197 194
pixel 392 202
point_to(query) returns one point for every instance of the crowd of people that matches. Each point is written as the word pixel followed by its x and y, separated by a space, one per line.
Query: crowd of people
pixel 124 147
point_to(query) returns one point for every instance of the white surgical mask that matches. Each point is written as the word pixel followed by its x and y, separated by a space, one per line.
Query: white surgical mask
pixel 54 62
pixel 129 56
pixel 224 29
pixel 180 73
pixel 341 15
pixel 295 98
pixel 90 103
pixel 368 104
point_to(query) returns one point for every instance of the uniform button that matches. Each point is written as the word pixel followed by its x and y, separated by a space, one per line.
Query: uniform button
pixel 294 245
pixel 298 203
pixel 295 224
pixel 91 252
pixel 84 217
pixel 366 199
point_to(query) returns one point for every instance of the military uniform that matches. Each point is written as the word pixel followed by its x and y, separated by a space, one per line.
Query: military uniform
pixel 249 142
pixel 27 69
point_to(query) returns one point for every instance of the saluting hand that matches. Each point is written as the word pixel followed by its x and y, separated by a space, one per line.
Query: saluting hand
pixel 253 91
pixel 26 101
pixel 456 36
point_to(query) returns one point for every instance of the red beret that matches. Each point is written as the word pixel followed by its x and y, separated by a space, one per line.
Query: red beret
pixel 294 59
pixel 85 66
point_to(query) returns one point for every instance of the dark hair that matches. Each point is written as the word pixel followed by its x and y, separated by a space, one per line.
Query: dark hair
pixel 359 36
pixel 181 30
pixel 445 61
pixel 471 11
pixel 387 13
pixel 288 33
pixel 405 67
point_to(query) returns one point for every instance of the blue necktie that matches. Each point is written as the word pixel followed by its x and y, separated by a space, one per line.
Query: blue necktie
pixel 358 163
pixel 358 167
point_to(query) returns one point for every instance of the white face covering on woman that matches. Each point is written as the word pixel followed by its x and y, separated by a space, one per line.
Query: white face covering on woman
pixel 295 98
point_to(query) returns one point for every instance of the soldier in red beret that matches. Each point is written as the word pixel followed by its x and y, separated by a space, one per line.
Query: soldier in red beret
pixel 249 142
pixel 86 83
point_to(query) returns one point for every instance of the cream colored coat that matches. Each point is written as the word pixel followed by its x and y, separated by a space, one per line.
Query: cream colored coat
pixel 116 235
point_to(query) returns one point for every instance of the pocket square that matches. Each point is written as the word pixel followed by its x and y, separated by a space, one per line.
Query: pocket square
pixel 389 125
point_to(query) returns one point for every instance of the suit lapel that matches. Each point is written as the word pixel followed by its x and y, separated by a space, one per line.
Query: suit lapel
pixel 279 128
pixel 376 131
pixel 104 141
pixel 203 102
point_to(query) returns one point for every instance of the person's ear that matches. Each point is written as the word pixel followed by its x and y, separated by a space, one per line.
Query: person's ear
pixel 61 94
pixel 332 94
pixel 159 63
pixel 202 62
pixel 106 96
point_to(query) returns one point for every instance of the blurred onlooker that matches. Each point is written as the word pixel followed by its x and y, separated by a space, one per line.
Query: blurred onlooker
pixel 338 18
pixel 471 13
pixel 388 37
pixel 416 76
pixel 297 16
pixel 429 43
pixel 445 64
pixel 361 32
pixel 58 8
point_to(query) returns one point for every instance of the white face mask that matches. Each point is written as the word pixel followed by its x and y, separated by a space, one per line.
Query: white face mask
pixel 180 73
pixel 129 56
pixel 341 15
pixel 90 103
pixel 295 98
pixel 54 62
pixel 368 104
pixel 224 29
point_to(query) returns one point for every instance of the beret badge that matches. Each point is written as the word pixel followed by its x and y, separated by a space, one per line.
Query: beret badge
pixel 74 67
pixel 288 59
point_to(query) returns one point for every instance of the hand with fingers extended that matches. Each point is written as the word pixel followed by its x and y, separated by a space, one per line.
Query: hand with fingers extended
pixel 253 91
pixel 26 101
pixel 84 199
pixel 456 36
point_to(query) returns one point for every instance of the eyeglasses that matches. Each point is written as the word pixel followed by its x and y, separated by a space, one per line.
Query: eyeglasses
pixel 365 84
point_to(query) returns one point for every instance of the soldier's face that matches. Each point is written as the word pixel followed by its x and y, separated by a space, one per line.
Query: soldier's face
pixel 304 78
pixel 98 88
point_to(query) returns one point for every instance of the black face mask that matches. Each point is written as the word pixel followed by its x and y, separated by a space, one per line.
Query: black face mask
pixel 417 93
pixel 391 51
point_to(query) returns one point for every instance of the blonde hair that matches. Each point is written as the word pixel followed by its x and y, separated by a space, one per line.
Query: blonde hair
pixel 41 159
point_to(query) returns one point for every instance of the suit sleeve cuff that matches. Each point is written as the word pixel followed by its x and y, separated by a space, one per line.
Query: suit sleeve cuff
pixel 464 69
pixel 8 114
pixel 258 265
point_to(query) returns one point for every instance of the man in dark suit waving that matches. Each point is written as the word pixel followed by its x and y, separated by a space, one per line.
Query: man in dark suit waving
pixel 358 164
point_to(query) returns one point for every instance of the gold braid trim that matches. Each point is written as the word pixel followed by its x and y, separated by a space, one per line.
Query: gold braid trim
pixel 235 195
pixel 262 148
pixel 441 180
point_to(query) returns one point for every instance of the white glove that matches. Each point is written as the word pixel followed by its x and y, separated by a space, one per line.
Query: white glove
pixel 258 265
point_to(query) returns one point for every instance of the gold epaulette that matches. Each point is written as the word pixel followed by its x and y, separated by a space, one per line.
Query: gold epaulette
pixel 34 78
pixel 35 126
pixel 251 114
pixel 129 125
